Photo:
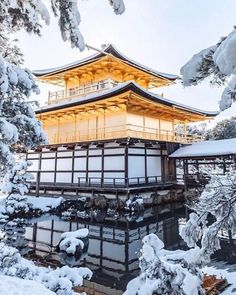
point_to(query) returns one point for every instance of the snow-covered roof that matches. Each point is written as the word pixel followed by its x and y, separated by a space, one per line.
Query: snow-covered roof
pixel 110 49
pixel 121 88
pixel 211 148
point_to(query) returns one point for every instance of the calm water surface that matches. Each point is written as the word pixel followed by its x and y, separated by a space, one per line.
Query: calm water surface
pixel 114 242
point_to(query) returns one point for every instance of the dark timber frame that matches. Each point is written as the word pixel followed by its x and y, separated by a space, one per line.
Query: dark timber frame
pixel 114 180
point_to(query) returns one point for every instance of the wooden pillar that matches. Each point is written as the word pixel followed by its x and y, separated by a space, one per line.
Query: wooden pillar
pixel 73 166
pixel 162 165
pixel 51 237
pixel 34 236
pixel 145 164
pixel 126 159
pixel 37 184
pixel 55 169
pixel 127 251
pixel 101 245
pixel 102 164
pixel 87 163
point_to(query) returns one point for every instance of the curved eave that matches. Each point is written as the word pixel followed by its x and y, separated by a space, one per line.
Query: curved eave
pixel 120 89
pixel 113 52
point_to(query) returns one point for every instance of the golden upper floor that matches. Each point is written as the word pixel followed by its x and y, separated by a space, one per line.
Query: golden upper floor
pixel 126 110
pixel 100 71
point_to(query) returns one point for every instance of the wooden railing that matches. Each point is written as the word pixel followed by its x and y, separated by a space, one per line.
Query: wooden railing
pixel 58 96
pixel 119 181
pixel 123 131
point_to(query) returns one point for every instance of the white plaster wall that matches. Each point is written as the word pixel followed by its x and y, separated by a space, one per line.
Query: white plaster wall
pixel 95 163
pixel 35 165
pixel 136 151
pixel 114 163
pixel 153 152
pixel 63 177
pixel 48 155
pixel 80 153
pixel 79 174
pixel 80 163
pixel 153 166
pixel 64 164
pixel 136 166
pixel 30 156
pixel 114 151
pixel 64 154
pixel 95 152
pixel 47 177
pixel 47 164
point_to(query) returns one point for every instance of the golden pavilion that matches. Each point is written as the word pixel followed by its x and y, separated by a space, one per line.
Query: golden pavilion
pixel 107 130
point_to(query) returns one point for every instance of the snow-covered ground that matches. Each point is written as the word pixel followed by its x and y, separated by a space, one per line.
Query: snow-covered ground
pixel 45 204
pixel 17 286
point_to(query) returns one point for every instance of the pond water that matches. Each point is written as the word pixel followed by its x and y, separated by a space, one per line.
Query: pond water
pixel 114 242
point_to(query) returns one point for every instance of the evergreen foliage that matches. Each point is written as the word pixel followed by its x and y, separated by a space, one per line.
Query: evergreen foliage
pixel 218 63
pixel 224 129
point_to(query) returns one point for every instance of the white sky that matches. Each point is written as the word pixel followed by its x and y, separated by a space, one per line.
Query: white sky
pixel 162 34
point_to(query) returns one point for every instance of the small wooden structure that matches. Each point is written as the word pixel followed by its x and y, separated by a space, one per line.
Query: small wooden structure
pixel 106 129
pixel 220 154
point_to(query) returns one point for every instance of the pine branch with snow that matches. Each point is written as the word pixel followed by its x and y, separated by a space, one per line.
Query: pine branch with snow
pixel 167 272
pixel 217 62
pixel 15 185
pixel 214 211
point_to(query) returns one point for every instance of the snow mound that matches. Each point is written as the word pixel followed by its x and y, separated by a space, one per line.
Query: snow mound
pixel 16 286
pixel 73 241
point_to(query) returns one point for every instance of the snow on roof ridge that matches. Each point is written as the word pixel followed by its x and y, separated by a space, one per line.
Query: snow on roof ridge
pixel 207 148
pixel 91 57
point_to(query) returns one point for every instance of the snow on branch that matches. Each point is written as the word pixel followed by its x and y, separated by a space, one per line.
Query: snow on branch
pixel 217 62
pixel 118 6
pixel 167 272
pixel 61 280
pixel 215 211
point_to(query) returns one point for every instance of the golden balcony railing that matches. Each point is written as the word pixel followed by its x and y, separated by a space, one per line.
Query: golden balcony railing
pixel 58 96
pixel 122 131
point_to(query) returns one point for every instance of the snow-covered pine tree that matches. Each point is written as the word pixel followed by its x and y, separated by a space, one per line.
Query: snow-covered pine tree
pixel 223 130
pixel 16 185
pixel 217 62
pixel 167 272
pixel 214 212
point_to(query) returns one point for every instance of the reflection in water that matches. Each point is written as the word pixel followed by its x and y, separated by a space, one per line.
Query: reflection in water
pixel 113 246
pixel 114 242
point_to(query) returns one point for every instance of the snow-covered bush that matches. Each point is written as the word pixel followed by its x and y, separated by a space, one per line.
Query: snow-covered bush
pixel 167 272
pixel 72 242
pixel 15 185
pixel 61 280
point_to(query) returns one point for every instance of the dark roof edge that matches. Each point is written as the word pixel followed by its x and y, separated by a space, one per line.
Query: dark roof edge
pixel 120 89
